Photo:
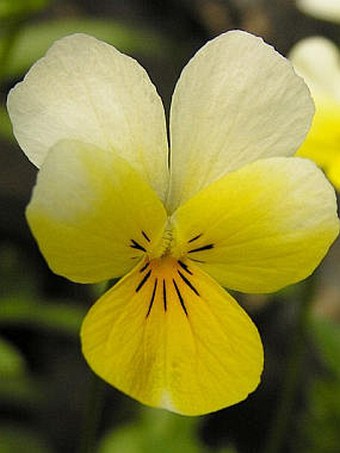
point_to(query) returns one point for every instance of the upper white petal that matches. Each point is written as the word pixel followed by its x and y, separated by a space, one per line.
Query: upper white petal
pixel 236 101
pixel 86 90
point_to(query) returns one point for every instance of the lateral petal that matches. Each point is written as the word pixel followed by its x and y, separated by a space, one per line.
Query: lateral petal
pixel 236 101
pixel 181 344
pixel 86 90
pixel 92 215
pixel 262 227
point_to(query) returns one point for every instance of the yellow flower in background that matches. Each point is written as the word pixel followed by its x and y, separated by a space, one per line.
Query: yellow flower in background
pixel 317 60
pixel 232 209
pixel 321 9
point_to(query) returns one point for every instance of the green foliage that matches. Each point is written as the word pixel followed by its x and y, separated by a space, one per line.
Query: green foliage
pixel 320 425
pixel 14 268
pixel 327 339
pixel 5 125
pixel 12 364
pixel 156 431
pixel 10 8
pixel 20 305
pixel 32 41
pixel 53 316
pixel 18 439
pixel 20 391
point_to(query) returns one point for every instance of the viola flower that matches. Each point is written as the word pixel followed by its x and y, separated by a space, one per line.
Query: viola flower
pixel 317 60
pixel 232 209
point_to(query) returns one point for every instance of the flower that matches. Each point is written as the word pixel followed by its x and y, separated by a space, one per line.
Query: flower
pixel 232 208
pixel 321 9
pixel 317 60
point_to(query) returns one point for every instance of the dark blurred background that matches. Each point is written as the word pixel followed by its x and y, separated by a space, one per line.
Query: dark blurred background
pixel 49 400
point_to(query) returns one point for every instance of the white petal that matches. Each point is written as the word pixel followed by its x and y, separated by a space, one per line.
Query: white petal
pixel 317 60
pixel 322 9
pixel 84 89
pixel 236 101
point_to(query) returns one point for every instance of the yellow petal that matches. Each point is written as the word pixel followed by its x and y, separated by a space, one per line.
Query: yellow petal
pixel 236 101
pixel 171 337
pixel 92 215
pixel 86 90
pixel 322 144
pixel 262 227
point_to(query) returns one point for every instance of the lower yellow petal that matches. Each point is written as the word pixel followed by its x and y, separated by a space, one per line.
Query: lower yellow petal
pixel 170 336
pixel 91 213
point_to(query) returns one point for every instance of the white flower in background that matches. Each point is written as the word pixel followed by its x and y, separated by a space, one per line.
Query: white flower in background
pixel 321 9
pixel 317 60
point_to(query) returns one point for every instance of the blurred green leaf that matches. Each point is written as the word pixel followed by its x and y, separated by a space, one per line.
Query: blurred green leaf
pixel 327 339
pixel 32 41
pixel 16 386
pixel 60 317
pixel 20 391
pixel 5 125
pixel 156 431
pixel 12 362
pixel 12 8
pixel 127 439
pixel 320 424
pixel 15 266
pixel 17 439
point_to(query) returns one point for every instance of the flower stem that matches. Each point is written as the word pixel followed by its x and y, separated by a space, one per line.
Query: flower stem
pixel 294 366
